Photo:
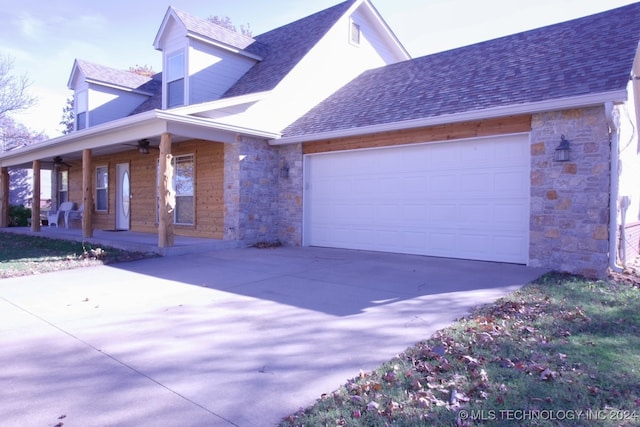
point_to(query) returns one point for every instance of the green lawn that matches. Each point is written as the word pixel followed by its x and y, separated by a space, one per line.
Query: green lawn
pixel 22 255
pixel 561 351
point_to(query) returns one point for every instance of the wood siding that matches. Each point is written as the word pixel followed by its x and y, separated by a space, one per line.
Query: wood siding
pixel 209 189
pixel 499 126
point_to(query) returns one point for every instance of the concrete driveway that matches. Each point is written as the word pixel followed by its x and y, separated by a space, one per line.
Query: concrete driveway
pixel 229 338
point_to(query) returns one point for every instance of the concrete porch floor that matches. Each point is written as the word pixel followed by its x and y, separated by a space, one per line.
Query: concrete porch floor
pixel 132 241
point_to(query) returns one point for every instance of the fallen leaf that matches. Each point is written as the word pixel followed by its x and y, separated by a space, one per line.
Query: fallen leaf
pixel 507 363
pixel 470 360
pixel 439 350
pixel 548 374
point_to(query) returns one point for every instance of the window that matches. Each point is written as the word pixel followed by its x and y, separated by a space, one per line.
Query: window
pixel 63 187
pixel 102 188
pixel 81 104
pixel 183 179
pixel 355 33
pixel 175 79
pixel 183 186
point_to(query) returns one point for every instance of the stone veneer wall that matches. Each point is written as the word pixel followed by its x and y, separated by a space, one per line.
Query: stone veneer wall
pixel 290 191
pixel 570 200
pixel 251 180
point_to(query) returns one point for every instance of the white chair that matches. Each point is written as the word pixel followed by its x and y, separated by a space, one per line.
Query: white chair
pixel 54 216
pixel 73 214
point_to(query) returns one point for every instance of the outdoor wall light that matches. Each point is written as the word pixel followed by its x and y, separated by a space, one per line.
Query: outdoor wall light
pixel 562 152
pixel 143 146
pixel 284 171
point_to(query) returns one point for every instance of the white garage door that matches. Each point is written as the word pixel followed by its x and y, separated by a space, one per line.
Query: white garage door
pixel 464 199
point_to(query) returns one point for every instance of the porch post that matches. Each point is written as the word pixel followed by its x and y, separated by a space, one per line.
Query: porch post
pixel 87 199
pixel 4 197
pixel 167 195
pixel 35 199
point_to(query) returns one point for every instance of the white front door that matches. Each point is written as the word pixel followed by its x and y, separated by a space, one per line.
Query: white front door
pixel 459 199
pixel 123 196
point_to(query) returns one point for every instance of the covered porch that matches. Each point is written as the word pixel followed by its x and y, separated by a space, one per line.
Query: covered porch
pixel 130 240
pixel 149 197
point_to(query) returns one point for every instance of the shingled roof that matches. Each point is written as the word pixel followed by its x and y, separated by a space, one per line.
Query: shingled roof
pixel 280 49
pixel 208 29
pixel 112 76
pixel 584 56
pixel 283 48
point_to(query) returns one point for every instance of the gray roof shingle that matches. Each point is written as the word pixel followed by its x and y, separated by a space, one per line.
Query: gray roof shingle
pixel 113 76
pixel 283 48
pixel 213 31
pixel 584 56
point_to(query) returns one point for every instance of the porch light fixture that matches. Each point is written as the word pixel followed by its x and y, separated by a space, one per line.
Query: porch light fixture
pixel 284 171
pixel 143 146
pixel 562 152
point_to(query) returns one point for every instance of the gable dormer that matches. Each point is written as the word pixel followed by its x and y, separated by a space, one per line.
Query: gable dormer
pixel 103 94
pixel 201 60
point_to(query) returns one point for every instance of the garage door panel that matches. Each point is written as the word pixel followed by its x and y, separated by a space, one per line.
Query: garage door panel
pixel 465 199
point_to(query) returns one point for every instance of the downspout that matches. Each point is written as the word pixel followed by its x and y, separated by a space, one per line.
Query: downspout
pixel 613 193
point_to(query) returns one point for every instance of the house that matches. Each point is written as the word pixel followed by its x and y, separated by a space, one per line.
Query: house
pixel 324 132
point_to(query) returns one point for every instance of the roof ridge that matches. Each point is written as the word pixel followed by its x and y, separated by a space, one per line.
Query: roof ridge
pixel 211 30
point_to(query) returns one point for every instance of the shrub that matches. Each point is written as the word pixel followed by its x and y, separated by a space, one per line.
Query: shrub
pixel 19 216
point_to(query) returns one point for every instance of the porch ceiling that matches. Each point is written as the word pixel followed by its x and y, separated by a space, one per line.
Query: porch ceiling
pixel 123 135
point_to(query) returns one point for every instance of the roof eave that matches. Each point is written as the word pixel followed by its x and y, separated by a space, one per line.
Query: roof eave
pixel 399 48
pixel 501 111
pixel 130 128
pixel 224 46
pixel 221 103
pixel 117 87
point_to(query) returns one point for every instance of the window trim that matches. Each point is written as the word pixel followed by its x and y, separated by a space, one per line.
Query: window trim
pixel 81 106
pixel 355 33
pixel 174 162
pixel 105 189
pixel 61 188
pixel 176 159
pixel 174 77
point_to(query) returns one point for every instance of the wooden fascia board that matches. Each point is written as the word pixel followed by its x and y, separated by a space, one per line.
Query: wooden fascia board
pixel 527 108
pixel 129 129
pixel 384 28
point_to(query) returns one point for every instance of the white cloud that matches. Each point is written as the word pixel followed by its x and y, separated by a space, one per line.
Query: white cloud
pixel 30 26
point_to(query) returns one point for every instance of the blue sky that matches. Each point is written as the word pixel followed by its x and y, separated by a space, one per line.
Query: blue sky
pixel 44 38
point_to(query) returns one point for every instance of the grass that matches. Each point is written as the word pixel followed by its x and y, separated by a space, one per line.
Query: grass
pixel 22 255
pixel 561 351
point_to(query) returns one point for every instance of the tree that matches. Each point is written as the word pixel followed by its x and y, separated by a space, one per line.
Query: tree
pixel 15 135
pixel 226 22
pixel 68 116
pixel 142 70
pixel 13 89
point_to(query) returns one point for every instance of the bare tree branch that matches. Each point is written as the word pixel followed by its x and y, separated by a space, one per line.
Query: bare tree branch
pixel 13 89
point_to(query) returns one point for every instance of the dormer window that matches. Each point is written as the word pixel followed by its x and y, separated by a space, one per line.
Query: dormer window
pixel 175 79
pixel 81 105
pixel 355 34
